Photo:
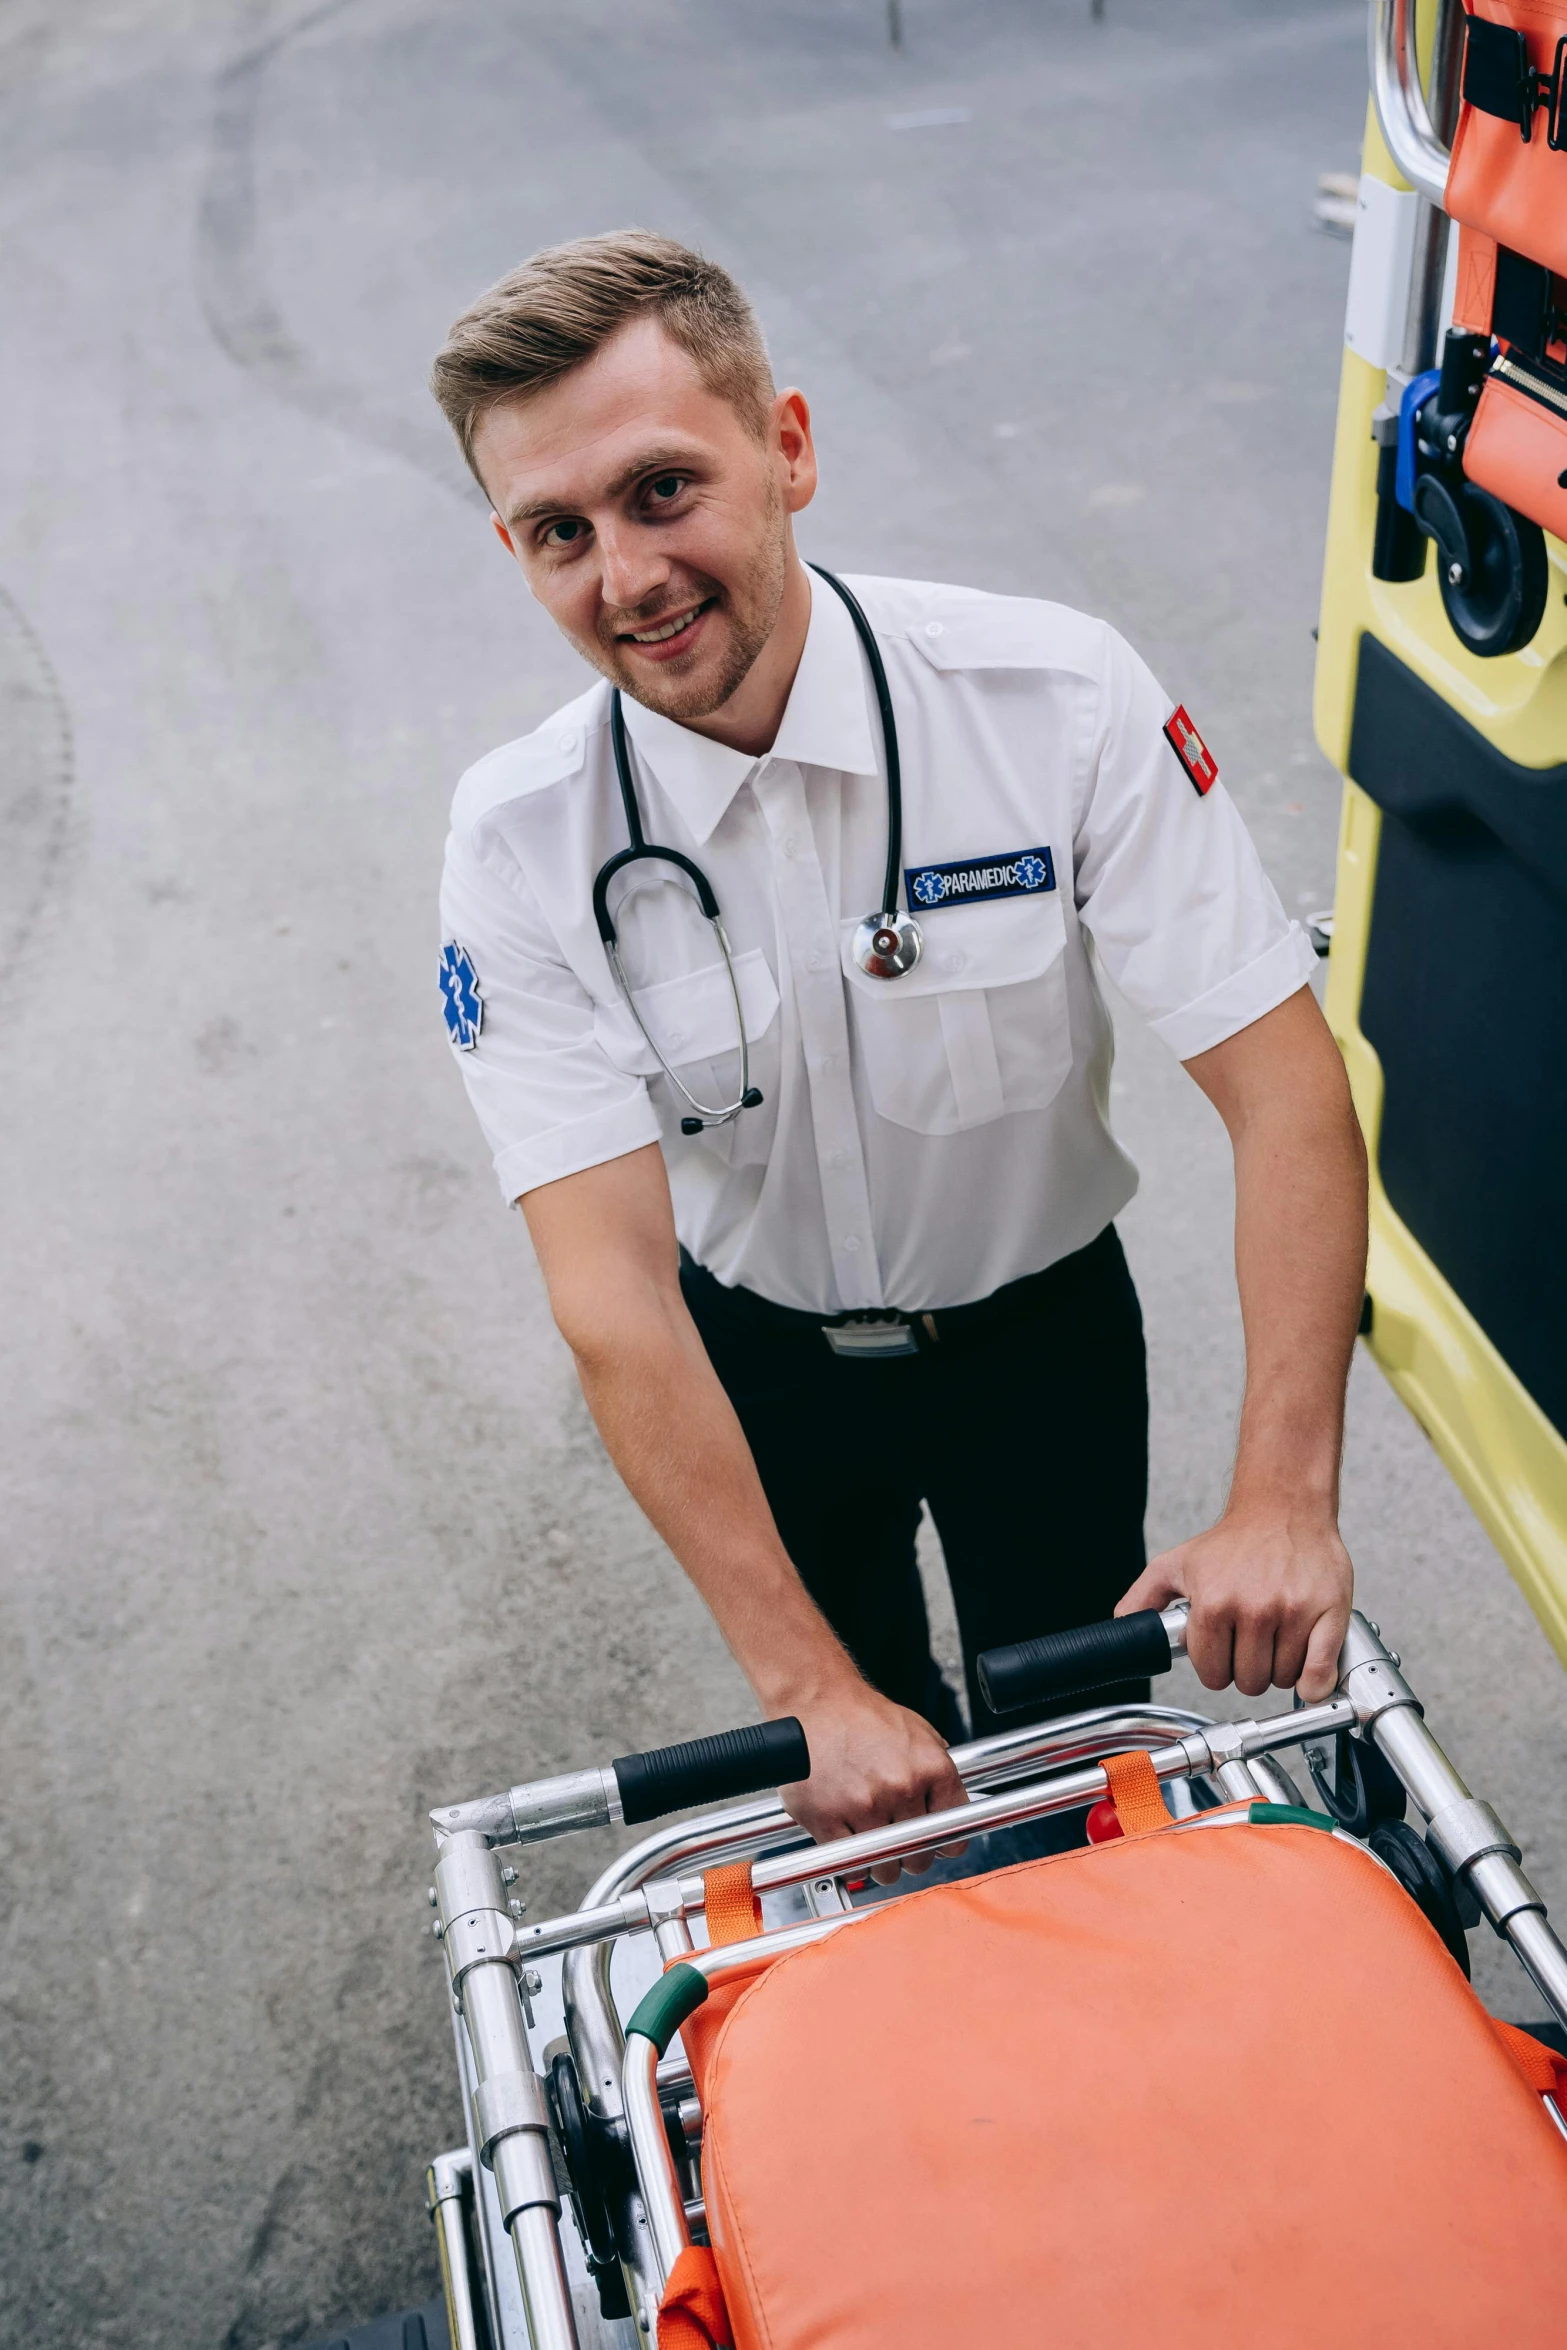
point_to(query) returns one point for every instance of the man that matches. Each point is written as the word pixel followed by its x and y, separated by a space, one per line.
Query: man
pixel 894 1277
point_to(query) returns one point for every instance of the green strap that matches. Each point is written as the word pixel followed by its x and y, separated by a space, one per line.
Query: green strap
pixel 659 2015
pixel 1286 1815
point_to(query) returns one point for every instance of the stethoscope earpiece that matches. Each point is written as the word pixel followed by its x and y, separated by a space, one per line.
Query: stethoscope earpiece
pixel 885 944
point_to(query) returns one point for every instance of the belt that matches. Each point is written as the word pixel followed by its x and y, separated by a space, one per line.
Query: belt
pixel 881 1333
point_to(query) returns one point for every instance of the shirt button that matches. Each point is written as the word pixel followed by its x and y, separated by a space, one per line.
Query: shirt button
pixel 851 1241
pixel 568 742
pixel 816 960
pixel 790 845
pixel 934 628
pixel 677 1037
pixel 835 1159
pixel 952 960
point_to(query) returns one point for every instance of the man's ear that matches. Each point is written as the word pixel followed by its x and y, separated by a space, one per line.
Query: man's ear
pixel 792 439
pixel 503 534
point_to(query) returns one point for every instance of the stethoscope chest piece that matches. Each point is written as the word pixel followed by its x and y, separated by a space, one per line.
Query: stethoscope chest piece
pixel 887 945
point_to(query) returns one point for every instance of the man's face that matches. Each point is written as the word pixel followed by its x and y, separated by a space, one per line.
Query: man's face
pixel 651 524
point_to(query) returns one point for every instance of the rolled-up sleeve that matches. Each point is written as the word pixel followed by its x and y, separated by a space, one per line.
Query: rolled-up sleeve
pixel 1168 882
pixel 548 1098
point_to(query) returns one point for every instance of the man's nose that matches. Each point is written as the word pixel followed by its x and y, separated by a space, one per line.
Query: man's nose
pixel 631 570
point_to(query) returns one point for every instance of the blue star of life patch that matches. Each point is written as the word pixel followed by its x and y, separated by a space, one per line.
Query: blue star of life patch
pixel 461 1001
pixel 1023 873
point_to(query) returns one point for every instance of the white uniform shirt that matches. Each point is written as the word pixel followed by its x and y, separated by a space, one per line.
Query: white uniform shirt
pixel 921 1140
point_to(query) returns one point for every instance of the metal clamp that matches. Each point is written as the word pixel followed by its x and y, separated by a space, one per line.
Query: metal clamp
pixel 511 2123
pixel 1505 1893
pixel 505 2104
pixel 1369 1676
pixel 478 1938
pixel 1465 1832
pixel 538 1808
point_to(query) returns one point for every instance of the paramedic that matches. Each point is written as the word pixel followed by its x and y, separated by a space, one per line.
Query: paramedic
pixel 894 1279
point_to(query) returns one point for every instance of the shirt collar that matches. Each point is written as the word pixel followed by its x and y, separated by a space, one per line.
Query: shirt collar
pixel 827 722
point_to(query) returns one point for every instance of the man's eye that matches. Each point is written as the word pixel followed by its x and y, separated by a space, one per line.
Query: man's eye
pixel 566 532
pixel 667 486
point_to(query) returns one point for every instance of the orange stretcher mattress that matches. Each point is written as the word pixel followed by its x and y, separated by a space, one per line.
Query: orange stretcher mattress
pixel 1214 2084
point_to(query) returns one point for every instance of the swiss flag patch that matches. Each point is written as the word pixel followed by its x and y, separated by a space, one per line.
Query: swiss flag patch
pixel 1201 767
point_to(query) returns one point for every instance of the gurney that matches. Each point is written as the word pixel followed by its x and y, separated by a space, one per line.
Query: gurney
pixel 1219 2072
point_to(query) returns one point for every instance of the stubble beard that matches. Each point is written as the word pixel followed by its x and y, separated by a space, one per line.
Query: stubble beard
pixel 751 607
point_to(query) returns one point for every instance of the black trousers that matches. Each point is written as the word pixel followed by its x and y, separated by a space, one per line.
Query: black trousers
pixel 1028 1438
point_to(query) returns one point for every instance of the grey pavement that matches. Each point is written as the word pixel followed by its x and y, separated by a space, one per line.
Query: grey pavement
pixel 306 1526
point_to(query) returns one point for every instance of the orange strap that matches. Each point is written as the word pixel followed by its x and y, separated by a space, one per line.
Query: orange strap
pixel 1475 289
pixel 1542 2068
pixel 1134 1790
pixel 733 1912
pixel 692 2315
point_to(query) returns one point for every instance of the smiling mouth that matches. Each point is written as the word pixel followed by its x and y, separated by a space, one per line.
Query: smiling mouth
pixel 665 631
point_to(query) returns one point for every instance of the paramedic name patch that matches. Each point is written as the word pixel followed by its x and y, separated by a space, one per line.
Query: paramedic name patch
pixel 461 1001
pixel 1026 873
pixel 1201 766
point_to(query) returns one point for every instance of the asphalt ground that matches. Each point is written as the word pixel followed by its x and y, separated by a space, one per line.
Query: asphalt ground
pixel 306 1524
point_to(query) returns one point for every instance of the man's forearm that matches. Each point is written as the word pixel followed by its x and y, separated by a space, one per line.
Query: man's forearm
pixel 673 1435
pixel 606 1243
pixel 1300 1263
pixel 1270 1584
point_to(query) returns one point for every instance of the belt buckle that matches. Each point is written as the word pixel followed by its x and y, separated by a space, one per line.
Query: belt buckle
pixel 871 1340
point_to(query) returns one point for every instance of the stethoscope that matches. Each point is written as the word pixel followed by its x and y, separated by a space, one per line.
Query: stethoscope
pixel 885 944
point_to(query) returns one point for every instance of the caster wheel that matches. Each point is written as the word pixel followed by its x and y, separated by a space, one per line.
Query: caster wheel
pixel 1497 600
pixel 1425 1880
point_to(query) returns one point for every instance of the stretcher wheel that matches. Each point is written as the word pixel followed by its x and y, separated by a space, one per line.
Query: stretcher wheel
pixel 586 2171
pixel 1497 601
pixel 1425 1880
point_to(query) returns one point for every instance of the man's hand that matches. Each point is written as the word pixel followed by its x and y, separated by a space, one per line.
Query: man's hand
pixel 1270 1593
pixel 872 1762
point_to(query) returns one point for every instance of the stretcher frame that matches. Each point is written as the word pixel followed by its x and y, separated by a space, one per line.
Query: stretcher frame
pixel 511 2281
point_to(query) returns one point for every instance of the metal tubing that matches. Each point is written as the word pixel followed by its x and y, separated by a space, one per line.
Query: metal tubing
pixel 628 1915
pixel 447 2180
pixel 1400 100
pixel 749 1958
pixel 663 2197
pixel 1202 1752
pixel 592 2023
pixel 545 2293
pixel 1389 1713
pixel 1500 1885
pixel 1065 1791
pixel 1543 1957
pixel 1275 1781
pixel 510 2122
pixel 983 1762
pixel 1428 269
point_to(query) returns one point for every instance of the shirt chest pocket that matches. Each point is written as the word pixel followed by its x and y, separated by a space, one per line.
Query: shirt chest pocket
pixel 979 1028
pixel 693 1022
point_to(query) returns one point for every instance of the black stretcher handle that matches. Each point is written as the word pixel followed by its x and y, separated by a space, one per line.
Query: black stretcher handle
pixel 710 1770
pixel 1068 1664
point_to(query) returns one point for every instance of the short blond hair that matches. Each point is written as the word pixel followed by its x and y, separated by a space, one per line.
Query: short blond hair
pixel 542 320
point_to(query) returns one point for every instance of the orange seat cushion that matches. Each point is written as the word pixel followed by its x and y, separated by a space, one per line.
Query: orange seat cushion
pixel 1213 2085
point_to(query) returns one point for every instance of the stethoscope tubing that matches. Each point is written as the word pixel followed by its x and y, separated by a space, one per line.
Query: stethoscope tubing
pixel 889 736
pixel 709 1117
pixel 638 847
